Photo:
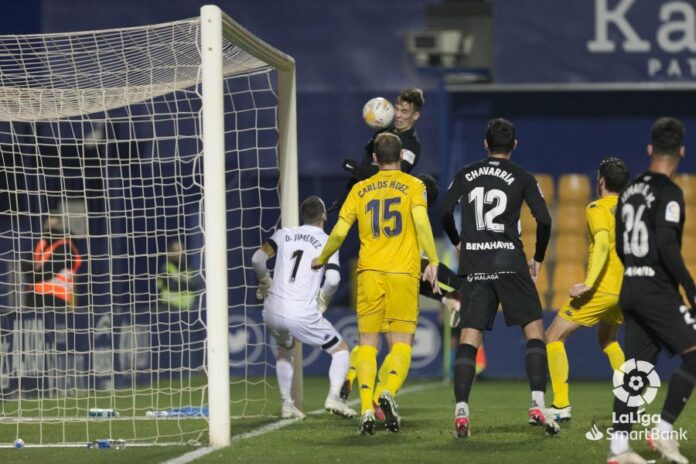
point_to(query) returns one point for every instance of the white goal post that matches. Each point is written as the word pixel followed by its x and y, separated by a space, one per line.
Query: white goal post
pixel 142 167
pixel 214 27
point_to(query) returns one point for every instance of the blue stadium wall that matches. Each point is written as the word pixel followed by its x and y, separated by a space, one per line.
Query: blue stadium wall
pixel 347 54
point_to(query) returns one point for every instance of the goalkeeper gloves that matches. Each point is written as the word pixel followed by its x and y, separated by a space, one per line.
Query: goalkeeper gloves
pixel 264 284
pixel 323 301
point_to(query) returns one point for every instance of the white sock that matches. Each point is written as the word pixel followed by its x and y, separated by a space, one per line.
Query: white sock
pixel 284 372
pixel 463 406
pixel 538 398
pixel 619 442
pixel 664 428
pixel 340 362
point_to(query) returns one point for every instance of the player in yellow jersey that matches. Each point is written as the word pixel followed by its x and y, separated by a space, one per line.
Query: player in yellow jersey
pixel 393 225
pixel 594 302
pixel 448 281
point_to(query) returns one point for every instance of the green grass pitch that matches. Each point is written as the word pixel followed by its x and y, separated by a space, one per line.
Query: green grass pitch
pixel 500 433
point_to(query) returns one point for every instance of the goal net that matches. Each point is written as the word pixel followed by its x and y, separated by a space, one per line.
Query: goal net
pixel 141 168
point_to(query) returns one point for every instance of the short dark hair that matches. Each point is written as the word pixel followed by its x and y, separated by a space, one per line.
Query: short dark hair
pixel 667 136
pixel 311 209
pixel 431 188
pixel 500 136
pixel 387 148
pixel 413 96
pixel 615 173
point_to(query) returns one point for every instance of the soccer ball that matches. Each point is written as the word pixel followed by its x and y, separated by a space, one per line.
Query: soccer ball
pixel 19 443
pixel 378 113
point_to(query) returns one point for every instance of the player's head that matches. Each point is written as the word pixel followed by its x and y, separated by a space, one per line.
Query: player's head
pixel 407 108
pixel 313 211
pixel 667 138
pixel 500 137
pixel 387 148
pixel 431 188
pixel 612 175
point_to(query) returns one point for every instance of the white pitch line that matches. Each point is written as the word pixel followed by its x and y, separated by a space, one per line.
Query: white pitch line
pixel 200 452
pixel 191 455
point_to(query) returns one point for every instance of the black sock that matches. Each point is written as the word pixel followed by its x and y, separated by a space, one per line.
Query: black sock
pixel 680 386
pixel 623 416
pixel 536 364
pixel 464 372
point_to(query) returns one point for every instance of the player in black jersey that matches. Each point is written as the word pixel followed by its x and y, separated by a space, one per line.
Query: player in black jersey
pixel 407 111
pixel 494 266
pixel 649 224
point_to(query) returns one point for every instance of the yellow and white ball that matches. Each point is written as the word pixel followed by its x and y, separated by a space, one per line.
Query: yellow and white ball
pixel 378 113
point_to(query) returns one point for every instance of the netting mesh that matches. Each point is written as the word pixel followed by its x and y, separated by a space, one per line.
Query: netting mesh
pixel 102 293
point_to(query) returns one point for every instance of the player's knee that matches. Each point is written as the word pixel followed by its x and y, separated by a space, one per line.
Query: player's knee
pixel 534 330
pixel 553 335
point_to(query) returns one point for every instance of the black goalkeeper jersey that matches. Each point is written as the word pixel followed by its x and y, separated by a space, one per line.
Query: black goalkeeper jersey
pixel 491 192
pixel 649 224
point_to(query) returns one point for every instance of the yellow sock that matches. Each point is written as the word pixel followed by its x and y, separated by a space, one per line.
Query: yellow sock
pixel 615 355
pixel 382 377
pixel 352 362
pixel 398 367
pixel 558 371
pixel 367 371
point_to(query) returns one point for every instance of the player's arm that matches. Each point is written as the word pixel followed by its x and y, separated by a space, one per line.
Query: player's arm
pixel 449 202
pixel 346 218
pixel 425 233
pixel 447 280
pixel 618 234
pixel 600 257
pixel 599 224
pixel 410 153
pixel 537 205
pixel 426 242
pixel 258 262
pixel 336 238
pixel 668 229
pixel 332 277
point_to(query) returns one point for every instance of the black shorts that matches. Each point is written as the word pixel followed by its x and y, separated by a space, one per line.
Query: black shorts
pixel 656 320
pixel 482 293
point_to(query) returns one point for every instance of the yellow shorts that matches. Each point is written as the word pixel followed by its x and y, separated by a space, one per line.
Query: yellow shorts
pixel 590 311
pixel 386 298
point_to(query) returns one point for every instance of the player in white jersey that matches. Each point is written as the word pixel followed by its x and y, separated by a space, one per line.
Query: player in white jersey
pixel 294 300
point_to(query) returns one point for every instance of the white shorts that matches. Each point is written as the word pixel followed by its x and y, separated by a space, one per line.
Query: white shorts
pixel 311 329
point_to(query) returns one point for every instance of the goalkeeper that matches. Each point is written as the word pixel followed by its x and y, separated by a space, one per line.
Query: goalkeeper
pixel 407 111
pixel 594 302
pixel 294 301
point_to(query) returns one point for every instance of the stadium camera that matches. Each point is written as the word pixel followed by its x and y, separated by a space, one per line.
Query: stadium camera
pixel 439 47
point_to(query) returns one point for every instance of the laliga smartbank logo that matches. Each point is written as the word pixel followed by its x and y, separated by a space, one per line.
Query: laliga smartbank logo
pixel 635 383
pixel 594 434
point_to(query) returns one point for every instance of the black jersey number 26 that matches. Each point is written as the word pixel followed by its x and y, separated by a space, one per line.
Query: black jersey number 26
pixel 635 237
